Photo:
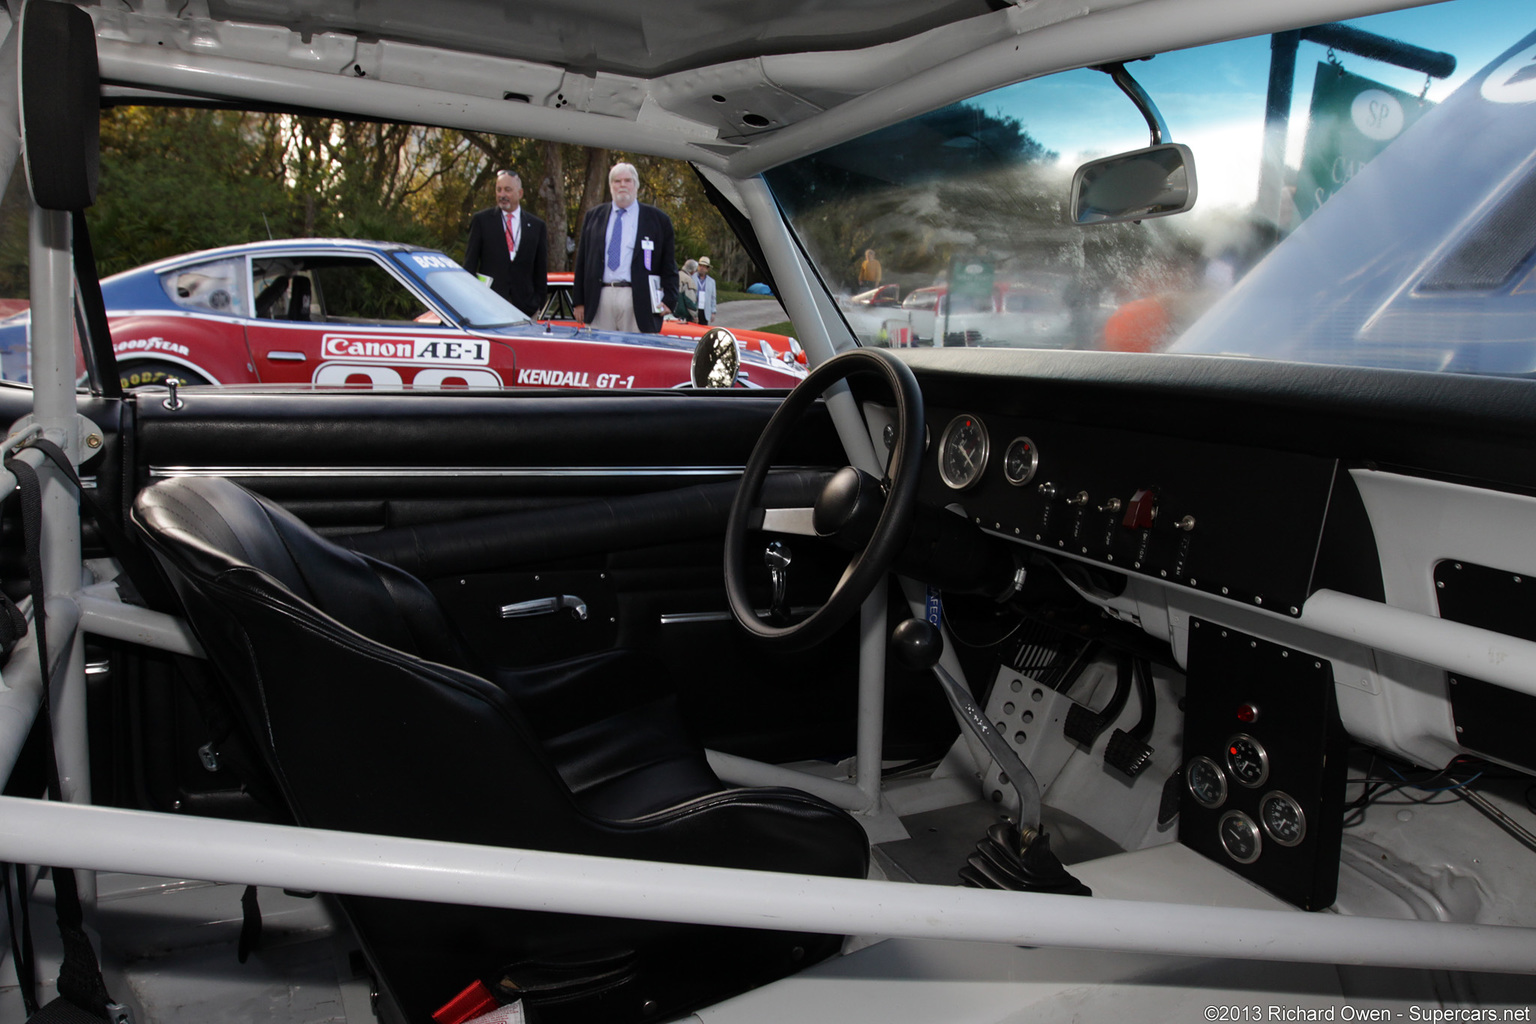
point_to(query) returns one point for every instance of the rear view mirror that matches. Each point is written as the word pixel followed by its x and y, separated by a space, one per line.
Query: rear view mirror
pixel 1152 182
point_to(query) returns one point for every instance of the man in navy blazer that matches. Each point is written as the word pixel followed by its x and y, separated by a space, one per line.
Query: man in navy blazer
pixel 625 264
pixel 509 245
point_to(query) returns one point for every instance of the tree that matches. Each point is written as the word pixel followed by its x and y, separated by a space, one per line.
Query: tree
pixel 176 180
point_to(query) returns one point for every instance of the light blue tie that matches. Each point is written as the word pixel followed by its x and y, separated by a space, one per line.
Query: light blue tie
pixel 616 240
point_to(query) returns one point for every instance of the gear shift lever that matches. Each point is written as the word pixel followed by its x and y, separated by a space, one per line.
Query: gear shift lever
pixel 1017 859
pixel 777 557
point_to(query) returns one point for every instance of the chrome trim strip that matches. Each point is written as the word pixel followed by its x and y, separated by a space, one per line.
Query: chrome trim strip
pixel 439 472
pixel 684 618
pixel 680 618
pixel 799 521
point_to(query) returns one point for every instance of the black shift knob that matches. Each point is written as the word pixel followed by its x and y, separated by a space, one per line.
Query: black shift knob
pixel 917 644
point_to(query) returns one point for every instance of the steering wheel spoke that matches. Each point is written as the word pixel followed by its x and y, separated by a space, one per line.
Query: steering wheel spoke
pixel 846 501
pixel 797 521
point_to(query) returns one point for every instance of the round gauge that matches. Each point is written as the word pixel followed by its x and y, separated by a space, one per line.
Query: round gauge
pixel 1247 760
pixel 1020 461
pixel 1206 781
pixel 1240 837
pixel 1283 818
pixel 963 452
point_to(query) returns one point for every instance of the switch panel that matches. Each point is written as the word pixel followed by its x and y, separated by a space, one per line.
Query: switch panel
pixel 1264 759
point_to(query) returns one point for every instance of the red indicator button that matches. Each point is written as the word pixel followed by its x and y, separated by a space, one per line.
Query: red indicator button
pixel 1247 713
pixel 1141 510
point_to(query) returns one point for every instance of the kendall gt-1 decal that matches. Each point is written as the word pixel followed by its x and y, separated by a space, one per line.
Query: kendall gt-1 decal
pixel 415 350
pixel 573 379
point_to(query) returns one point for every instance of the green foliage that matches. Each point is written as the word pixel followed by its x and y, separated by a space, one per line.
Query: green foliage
pixel 177 180
pixel 174 180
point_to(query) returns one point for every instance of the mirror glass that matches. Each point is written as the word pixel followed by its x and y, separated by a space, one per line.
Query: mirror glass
pixel 1152 182
pixel 716 359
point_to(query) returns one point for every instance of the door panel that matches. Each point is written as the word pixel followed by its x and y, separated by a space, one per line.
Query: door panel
pixel 617 499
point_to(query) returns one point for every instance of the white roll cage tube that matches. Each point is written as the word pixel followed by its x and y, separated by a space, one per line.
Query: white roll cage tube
pixel 69 834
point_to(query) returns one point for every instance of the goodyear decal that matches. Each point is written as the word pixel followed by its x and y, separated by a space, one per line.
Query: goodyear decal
pixel 572 379
pixel 413 350
pixel 155 344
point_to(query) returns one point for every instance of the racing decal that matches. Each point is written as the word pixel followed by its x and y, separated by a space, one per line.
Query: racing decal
pixel 432 261
pixel 388 378
pixel 155 344
pixel 1514 81
pixel 573 379
pixel 415 350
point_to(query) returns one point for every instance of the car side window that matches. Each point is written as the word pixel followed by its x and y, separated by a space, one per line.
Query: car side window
pixel 214 287
pixel 333 289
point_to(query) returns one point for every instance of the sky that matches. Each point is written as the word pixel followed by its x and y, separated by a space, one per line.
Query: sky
pixel 1212 98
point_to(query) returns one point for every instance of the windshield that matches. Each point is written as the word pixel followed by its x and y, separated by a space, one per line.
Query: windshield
pixel 1366 195
pixel 469 297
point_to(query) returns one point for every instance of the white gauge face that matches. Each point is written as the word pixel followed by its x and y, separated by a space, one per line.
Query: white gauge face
pixel 1240 837
pixel 1247 760
pixel 963 452
pixel 1284 820
pixel 1020 461
pixel 1206 781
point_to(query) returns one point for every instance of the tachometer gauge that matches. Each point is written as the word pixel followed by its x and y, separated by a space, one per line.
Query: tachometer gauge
pixel 1020 461
pixel 1240 837
pixel 1247 760
pixel 1283 818
pixel 963 452
pixel 1206 781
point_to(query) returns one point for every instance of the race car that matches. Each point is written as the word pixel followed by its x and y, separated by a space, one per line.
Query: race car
pixel 559 309
pixel 363 314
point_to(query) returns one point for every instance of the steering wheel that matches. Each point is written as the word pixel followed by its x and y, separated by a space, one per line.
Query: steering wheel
pixel 854 507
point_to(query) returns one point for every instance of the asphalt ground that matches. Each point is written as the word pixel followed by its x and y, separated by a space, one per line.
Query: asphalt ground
pixel 749 313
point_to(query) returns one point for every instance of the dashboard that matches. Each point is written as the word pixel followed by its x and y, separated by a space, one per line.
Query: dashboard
pixel 1211 503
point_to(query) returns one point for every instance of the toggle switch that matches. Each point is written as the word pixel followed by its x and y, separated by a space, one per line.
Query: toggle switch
pixel 1141 511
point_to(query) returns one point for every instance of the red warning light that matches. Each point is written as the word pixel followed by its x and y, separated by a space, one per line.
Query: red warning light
pixel 1247 713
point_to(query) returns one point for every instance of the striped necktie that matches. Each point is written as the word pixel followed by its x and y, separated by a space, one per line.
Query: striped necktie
pixel 616 239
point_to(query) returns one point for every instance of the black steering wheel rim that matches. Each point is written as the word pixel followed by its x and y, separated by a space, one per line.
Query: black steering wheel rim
pixel 870 565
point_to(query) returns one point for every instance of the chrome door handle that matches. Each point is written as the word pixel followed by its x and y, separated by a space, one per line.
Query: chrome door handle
pixel 544 606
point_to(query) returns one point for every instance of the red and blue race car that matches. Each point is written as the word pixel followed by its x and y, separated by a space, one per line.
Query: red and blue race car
pixel 342 312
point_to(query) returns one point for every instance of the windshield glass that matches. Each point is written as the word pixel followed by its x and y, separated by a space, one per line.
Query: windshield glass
pixel 470 298
pixel 1365 194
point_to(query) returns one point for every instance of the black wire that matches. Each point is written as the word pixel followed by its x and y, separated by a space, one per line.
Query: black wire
pixel 950 622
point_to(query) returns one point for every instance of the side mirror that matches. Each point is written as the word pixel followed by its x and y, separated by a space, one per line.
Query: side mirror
pixel 1154 182
pixel 716 360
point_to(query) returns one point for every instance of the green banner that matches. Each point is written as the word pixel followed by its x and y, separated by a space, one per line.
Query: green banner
pixel 970 286
pixel 1352 120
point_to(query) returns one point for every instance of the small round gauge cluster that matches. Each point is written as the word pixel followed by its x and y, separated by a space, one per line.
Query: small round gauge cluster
pixel 963 450
pixel 1240 837
pixel 1284 820
pixel 1281 819
pixel 1020 461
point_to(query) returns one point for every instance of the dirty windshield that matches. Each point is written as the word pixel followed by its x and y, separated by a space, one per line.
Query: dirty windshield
pixel 1365 194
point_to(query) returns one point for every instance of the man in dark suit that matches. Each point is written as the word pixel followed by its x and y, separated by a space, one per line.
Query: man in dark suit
pixel 509 245
pixel 626 270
